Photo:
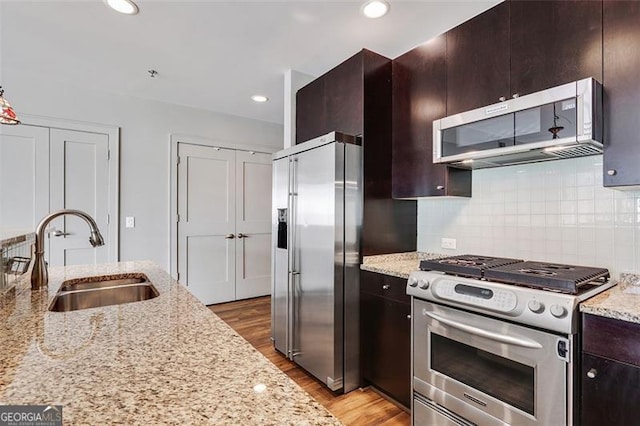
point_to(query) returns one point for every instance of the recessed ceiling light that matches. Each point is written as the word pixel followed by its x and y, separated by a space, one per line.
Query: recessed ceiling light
pixel 259 98
pixel 375 8
pixel 123 6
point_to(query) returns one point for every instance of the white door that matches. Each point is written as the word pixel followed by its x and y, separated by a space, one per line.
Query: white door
pixel 206 229
pixel 79 180
pixel 253 224
pixel 24 177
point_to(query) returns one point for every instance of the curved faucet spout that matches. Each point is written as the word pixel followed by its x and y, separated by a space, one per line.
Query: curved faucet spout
pixel 39 273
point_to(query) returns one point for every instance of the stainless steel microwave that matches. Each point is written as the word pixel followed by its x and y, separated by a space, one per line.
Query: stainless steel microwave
pixel 561 122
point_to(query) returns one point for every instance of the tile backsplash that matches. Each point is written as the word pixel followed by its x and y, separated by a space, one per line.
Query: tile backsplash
pixel 556 211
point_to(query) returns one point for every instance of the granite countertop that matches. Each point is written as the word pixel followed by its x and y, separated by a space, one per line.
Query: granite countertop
pixel 620 302
pixel 396 264
pixel 168 360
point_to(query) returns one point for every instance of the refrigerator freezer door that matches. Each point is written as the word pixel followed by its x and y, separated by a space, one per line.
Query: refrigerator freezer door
pixel 318 260
pixel 280 280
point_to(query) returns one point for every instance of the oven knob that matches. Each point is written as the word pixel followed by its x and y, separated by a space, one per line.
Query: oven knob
pixel 413 282
pixel 535 306
pixel 558 311
pixel 423 284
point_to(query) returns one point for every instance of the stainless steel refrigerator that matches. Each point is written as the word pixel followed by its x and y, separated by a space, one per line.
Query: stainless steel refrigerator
pixel 317 217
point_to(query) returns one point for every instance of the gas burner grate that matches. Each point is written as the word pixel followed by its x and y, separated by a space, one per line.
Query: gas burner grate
pixel 465 265
pixel 548 276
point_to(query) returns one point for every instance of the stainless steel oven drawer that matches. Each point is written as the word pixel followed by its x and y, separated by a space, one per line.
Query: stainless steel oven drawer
pixel 427 413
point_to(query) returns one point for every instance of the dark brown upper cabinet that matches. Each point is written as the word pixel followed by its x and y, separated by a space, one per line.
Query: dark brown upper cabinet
pixel 553 43
pixel 621 30
pixel 520 47
pixel 311 116
pixel 478 61
pixel 419 97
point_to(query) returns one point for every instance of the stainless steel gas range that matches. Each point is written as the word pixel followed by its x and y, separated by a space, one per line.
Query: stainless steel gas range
pixel 496 341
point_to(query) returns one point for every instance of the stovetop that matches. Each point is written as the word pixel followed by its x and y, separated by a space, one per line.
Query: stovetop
pixel 466 265
pixel 486 285
pixel 568 279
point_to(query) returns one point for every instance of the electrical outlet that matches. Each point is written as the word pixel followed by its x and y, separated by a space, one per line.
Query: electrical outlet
pixel 130 222
pixel 448 243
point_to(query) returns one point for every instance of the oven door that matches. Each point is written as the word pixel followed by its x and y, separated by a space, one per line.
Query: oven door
pixel 486 370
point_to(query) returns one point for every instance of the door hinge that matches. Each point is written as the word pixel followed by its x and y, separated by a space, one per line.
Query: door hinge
pixel 178 276
pixel 177 160
pixel 108 218
pixel 178 218
pixel 108 154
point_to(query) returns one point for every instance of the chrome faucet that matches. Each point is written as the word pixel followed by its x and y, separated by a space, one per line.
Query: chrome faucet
pixel 39 273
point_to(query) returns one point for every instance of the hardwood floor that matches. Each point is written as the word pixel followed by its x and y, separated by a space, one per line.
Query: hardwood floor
pixel 252 320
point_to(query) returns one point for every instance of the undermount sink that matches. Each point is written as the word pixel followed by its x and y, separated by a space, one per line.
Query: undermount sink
pixel 94 292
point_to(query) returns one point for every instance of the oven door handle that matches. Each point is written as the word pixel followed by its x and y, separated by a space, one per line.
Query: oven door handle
pixel 511 340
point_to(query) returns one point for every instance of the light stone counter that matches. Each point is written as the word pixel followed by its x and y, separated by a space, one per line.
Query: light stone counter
pixel 620 302
pixel 396 264
pixel 168 360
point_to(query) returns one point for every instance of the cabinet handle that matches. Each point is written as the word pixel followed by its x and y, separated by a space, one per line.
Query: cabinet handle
pixel 592 373
pixel 241 235
pixel 440 187
pixel 386 287
pixel 409 316
pixel 230 236
pixel 502 99
pixel 612 172
pixel 516 96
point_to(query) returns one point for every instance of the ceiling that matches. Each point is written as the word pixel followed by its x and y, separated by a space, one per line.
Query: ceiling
pixel 209 54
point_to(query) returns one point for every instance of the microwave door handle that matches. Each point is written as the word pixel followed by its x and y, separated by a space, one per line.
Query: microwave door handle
pixel 510 340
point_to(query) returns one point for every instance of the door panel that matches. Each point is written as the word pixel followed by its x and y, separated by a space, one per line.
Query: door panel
pixel 24 176
pixel 79 180
pixel 210 271
pixel 206 231
pixel 253 224
pixel 315 226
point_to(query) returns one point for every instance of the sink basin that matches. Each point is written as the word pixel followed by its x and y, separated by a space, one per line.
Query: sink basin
pixel 94 292
pixel 101 282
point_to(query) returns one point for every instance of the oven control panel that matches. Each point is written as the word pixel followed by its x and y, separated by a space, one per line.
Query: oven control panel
pixel 499 300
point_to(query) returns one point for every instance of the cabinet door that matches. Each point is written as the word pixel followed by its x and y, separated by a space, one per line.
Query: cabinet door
pixel 553 43
pixel 386 345
pixel 344 97
pixel 253 224
pixel 419 97
pixel 478 61
pixel 621 31
pixel 206 231
pixel 311 118
pixel 611 396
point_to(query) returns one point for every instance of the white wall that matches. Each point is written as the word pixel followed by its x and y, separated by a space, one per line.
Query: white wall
pixel 556 211
pixel 144 147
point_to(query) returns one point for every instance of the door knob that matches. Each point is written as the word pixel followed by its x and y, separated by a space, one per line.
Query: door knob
pixel 58 233
pixel 241 235
pixel 592 373
pixel 386 287
pixel 230 236
pixel 440 187
pixel 516 96
pixel 502 99
pixel 612 172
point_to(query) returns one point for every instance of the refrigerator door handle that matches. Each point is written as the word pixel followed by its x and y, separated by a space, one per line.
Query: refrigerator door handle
pixel 295 277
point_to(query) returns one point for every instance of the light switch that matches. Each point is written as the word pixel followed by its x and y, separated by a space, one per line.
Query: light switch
pixel 130 222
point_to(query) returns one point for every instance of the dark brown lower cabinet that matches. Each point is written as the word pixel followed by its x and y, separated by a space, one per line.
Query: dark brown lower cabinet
pixel 612 396
pixel 385 324
pixel 610 372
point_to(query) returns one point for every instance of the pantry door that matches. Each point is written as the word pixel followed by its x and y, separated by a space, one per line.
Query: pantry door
pixel 253 224
pixel 24 177
pixel 206 222
pixel 79 179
